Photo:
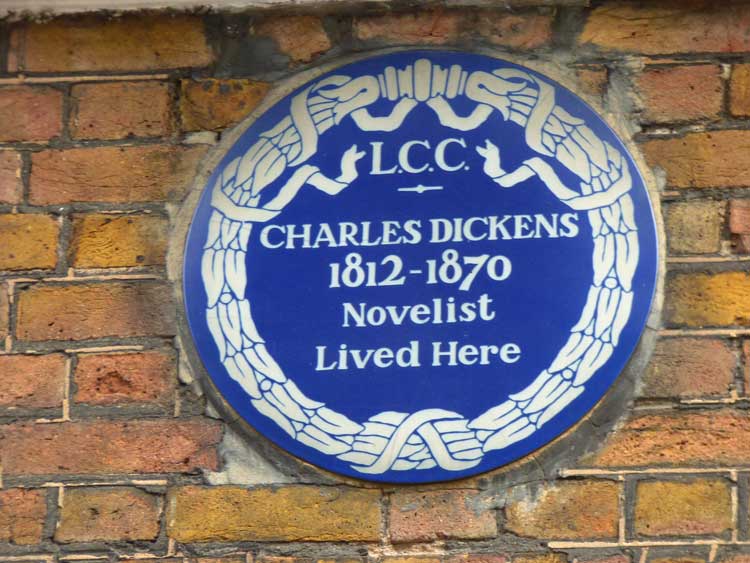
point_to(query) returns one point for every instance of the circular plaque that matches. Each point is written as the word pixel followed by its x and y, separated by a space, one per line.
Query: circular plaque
pixel 420 266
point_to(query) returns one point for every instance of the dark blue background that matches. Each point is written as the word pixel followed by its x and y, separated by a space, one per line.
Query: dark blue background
pixel 295 310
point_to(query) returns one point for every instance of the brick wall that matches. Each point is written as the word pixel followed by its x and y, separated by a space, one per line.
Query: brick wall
pixel 106 453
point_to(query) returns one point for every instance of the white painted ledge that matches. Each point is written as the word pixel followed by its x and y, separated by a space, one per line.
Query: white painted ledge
pixel 31 7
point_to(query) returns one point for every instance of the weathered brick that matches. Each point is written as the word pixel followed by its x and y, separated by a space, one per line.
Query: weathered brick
pixel 410 559
pixel 682 438
pixel 739 225
pixel 437 515
pixel 117 44
pixel 695 507
pixel 30 113
pixel 31 381
pixel 702 160
pixel 110 446
pixel 689 368
pixel 423 27
pixel 29 241
pixel 108 514
pixel 477 558
pixel 701 299
pixel 4 311
pixel 123 379
pixel 739 91
pixel 735 558
pixel 113 174
pixel 668 27
pixel 301 38
pixel 746 362
pixel 593 558
pixel 117 110
pixel 97 310
pixel 288 513
pixel 11 188
pixel 681 93
pixel 240 558
pixel 22 514
pixel 266 558
pixel 109 241
pixel 216 104
pixel 567 510
pixel 592 81
pixel 540 558
pixel 678 558
pixel 522 31
pixel 695 227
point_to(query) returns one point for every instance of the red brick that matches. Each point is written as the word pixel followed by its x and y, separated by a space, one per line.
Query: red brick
pixel 669 27
pixel 105 240
pixel 31 381
pixel 113 174
pixel 567 510
pixel 702 160
pixel 123 379
pixel 217 104
pixel 286 513
pixel 301 38
pixel 701 299
pixel 29 241
pixel 22 514
pixel 681 93
pixel 108 514
pixel 681 438
pixel 739 225
pixel 117 110
pixel 30 113
pixel 739 91
pixel 438 515
pixel 110 446
pixel 691 508
pixel 116 44
pixel 97 310
pixel 11 189
pixel 689 368
pixel 522 31
pixel 425 27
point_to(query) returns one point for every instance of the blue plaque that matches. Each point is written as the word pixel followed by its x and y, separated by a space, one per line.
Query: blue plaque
pixel 420 266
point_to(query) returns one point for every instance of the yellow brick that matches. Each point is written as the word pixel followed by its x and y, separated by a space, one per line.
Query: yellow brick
pixel 699 299
pixel 28 241
pixel 713 159
pixel 290 513
pixel 127 43
pixel 108 241
pixel 698 507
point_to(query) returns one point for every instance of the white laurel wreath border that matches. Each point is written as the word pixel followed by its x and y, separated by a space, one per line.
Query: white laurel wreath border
pixel 431 437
